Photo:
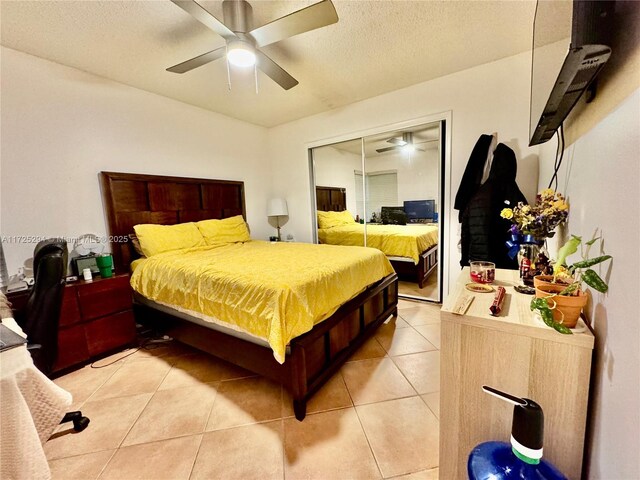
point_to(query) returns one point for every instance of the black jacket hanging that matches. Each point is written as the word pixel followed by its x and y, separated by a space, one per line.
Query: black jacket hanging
pixel 484 232
pixel 472 175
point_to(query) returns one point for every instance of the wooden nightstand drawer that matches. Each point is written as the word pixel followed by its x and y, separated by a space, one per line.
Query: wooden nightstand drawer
pixel 104 296
pixel 72 347
pixel 70 313
pixel 110 332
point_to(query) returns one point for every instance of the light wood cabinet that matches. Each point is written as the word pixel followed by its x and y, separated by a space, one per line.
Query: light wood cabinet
pixel 515 353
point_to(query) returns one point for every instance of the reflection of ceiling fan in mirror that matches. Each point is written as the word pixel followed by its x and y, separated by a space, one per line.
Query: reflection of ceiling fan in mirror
pixel 404 144
pixel 243 42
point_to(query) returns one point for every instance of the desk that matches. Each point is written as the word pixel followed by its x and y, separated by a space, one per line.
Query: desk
pixel 514 353
pixel 31 406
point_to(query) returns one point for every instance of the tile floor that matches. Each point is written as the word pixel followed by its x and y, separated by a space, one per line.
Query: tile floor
pixel 174 413
pixel 429 289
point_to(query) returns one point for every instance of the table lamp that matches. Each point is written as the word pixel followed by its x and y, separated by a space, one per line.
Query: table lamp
pixel 277 207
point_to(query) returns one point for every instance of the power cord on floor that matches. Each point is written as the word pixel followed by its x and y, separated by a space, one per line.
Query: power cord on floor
pixel 150 343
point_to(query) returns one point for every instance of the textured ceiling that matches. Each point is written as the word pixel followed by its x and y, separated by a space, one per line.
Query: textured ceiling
pixel 376 47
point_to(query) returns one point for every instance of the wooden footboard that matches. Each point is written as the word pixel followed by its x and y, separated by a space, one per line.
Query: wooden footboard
pixel 313 357
pixel 427 263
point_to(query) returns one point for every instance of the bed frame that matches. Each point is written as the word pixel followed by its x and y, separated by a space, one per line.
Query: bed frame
pixel 312 358
pixel 330 199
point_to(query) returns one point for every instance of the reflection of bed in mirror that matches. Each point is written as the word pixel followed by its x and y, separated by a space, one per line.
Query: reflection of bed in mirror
pixel 312 355
pixel 412 248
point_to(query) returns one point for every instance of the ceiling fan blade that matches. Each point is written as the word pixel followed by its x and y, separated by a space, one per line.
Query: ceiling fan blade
pixel 314 16
pixel 198 61
pixel 387 149
pixel 204 17
pixel 275 71
pixel 397 141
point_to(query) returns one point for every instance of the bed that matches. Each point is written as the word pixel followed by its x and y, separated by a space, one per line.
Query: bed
pixel 412 249
pixel 302 363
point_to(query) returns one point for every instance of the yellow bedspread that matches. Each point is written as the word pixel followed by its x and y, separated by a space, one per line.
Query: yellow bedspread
pixel 274 291
pixel 394 240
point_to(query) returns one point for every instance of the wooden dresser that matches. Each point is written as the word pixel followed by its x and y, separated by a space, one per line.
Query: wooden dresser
pixel 96 318
pixel 517 354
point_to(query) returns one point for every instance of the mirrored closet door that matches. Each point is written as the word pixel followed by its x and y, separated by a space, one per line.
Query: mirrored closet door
pixel 384 191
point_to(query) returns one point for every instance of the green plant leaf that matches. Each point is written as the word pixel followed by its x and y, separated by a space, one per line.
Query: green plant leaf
pixel 572 287
pixel 538 303
pixel 591 242
pixel 567 249
pixel 592 279
pixel 562 329
pixel 591 262
pixel 541 305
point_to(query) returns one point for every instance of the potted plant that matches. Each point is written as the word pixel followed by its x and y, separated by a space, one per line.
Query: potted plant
pixel 560 304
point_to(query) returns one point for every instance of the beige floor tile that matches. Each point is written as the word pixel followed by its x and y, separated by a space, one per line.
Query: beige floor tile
pixel 422 370
pixel 403 341
pixel 169 459
pixel 433 402
pixel 327 446
pixel 169 351
pixel 190 370
pixel 110 418
pixel 423 315
pixel 393 323
pixel 242 453
pixel 403 435
pixel 369 349
pixel 375 380
pixel 173 413
pixel 84 382
pixel 133 378
pixel 245 401
pixel 404 304
pixel 431 474
pixel 115 358
pixel 80 467
pixel 431 333
pixel 429 289
pixel 332 395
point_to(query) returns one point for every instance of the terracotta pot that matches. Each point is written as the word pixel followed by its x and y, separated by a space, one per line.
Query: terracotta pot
pixel 547 280
pixel 566 309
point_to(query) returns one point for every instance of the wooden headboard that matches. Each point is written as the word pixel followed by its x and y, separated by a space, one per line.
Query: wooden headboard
pixel 131 198
pixel 331 199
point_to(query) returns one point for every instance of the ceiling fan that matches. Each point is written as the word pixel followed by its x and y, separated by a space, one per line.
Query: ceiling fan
pixel 243 42
pixel 405 144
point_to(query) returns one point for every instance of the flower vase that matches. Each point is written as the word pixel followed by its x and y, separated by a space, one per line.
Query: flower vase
pixel 527 256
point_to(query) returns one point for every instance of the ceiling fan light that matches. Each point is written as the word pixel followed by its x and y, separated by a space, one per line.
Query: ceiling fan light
pixel 408 148
pixel 241 54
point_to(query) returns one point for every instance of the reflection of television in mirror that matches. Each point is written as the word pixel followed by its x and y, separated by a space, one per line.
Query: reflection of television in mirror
pixel 419 211
pixel 570 47
pixel 393 216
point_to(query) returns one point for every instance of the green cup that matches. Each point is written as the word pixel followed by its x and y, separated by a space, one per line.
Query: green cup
pixel 105 265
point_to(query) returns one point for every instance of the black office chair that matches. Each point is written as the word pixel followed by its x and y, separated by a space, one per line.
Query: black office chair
pixel 42 312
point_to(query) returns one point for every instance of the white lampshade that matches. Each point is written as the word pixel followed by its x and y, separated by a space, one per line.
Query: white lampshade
pixel 277 207
pixel 241 54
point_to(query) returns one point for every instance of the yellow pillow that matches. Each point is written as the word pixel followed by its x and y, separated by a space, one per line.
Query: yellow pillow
pixel 333 219
pixel 228 230
pixel 156 239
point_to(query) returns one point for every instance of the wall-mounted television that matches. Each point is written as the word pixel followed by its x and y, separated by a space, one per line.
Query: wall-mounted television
pixel 419 210
pixel 570 47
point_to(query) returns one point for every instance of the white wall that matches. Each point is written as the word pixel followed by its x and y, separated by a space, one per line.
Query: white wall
pixel 335 168
pixel 601 177
pixel 61 126
pixel 490 98
pixel 417 174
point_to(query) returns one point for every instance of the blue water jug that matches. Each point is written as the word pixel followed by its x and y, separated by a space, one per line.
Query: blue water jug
pixel 520 459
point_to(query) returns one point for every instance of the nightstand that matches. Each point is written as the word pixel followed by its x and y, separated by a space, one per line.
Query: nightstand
pixel 96 318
